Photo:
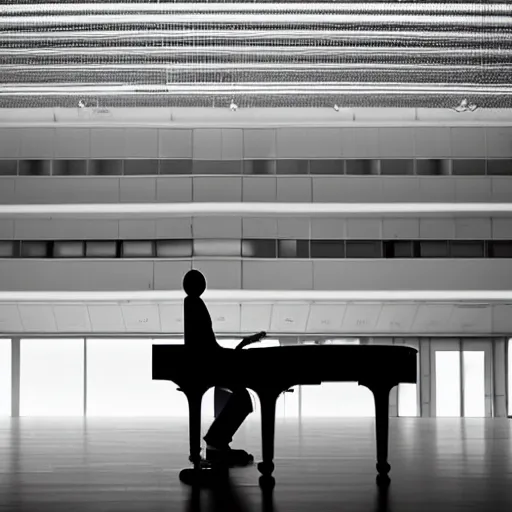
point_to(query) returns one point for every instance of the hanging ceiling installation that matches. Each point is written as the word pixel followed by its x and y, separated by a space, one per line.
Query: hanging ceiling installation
pixel 68 53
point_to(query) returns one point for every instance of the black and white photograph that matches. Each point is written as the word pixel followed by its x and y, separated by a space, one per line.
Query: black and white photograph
pixel 255 256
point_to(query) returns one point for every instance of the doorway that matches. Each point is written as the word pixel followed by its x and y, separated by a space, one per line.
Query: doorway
pixel 461 384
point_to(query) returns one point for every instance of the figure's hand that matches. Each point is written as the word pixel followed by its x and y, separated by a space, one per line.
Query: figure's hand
pixel 251 339
pixel 256 337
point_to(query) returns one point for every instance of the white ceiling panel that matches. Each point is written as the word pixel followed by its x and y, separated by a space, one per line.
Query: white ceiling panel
pixel 235 319
pixel 72 317
pixel 502 318
pixel 325 317
pixel 141 317
pixel 361 317
pixel 255 317
pixel 37 317
pixel 396 317
pixel 171 317
pixel 289 317
pixel 225 317
pixel 10 320
pixel 106 318
pixel 471 319
pixel 432 318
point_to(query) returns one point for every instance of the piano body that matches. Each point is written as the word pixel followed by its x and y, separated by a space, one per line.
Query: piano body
pixel 273 370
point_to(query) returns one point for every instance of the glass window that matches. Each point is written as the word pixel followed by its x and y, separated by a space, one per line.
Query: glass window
pixel 259 248
pixel 362 166
pixel 401 249
pixel 398 166
pixel 174 248
pixel 216 167
pixel 337 399
pixel 69 167
pixel 7 249
pixel 217 248
pixel 259 166
pixel 327 248
pixel 292 166
pixel 364 249
pixel 138 167
pixel 105 167
pixel 35 249
pixel 138 249
pixel 35 167
pixel 466 249
pixel 5 377
pixel 474 383
pixel 102 249
pixel 434 249
pixel 293 248
pixel 447 383
pixel 119 380
pixel 176 166
pixel 52 377
pixel 407 399
pixel 67 249
pixel 509 376
pixel 497 167
pixel 8 167
pixel 433 167
pixel 327 167
pixel 468 167
pixel 500 249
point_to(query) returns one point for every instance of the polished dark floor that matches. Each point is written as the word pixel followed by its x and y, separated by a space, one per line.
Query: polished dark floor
pixel 128 465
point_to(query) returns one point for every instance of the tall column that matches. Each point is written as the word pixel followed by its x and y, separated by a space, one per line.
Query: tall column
pixel 15 377
pixel 425 378
pixel 499 365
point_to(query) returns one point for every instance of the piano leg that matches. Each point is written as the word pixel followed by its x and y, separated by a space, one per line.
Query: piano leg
pixel 194 409
pixel 380 392
pixel 268 420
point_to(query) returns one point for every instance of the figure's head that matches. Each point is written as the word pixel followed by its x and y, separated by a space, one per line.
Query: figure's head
pixel 194 283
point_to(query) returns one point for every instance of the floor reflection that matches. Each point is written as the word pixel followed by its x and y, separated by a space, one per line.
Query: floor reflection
pixel 225 496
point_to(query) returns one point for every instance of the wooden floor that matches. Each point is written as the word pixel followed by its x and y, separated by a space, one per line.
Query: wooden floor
pixel 128 465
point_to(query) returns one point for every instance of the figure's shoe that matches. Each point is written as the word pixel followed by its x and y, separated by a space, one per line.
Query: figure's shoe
pixel 204 477
pixel 228 456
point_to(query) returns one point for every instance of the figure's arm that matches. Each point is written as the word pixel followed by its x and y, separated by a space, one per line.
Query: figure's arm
pixel 251 339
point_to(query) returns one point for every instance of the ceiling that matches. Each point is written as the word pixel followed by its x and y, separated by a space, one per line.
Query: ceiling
pixel 255 54
pixel 343 318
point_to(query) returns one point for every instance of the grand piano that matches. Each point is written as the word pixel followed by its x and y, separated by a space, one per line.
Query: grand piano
pixel 273 370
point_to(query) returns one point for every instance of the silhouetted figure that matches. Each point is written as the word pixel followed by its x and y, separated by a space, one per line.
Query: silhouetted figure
pixel 234 408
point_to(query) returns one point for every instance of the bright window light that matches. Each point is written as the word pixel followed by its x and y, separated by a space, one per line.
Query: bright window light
pixel 447 383
pixel 337 399
pixel 407 399
pixel 52 377
pixel 119 380
pixel 342 341
pixel 474 383
pixel 5 377
pixel 509 376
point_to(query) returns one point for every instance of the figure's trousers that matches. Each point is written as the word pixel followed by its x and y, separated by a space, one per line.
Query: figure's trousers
pixel 231 409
